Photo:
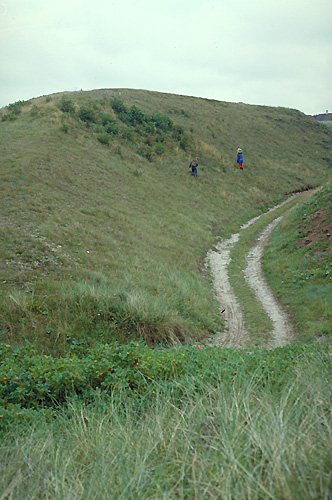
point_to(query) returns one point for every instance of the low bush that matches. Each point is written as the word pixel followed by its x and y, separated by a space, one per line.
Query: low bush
pixel 15 108
pixel 66 105
pixel 118 105
pixel 87 114
pixel 34 381
pixel 111 128
pixel 163 122
pixel 159 149
pixel 104 138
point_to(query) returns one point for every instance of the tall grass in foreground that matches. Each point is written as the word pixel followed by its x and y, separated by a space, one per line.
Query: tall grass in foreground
pixel 182 441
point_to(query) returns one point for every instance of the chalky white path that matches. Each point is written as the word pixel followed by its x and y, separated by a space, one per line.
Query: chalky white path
pixel 235 334
pixel 282 331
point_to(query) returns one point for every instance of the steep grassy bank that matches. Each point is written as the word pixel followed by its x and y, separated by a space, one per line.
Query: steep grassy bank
pixel 298 265
pixel 106 241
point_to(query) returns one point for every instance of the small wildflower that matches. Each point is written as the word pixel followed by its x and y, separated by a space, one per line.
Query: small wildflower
pixel 199 347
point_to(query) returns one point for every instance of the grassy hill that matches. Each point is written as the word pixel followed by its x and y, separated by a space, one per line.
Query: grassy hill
pixel 104 232
pixel 104 235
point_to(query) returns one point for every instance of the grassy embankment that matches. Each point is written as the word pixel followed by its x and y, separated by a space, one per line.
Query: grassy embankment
pixel 298 265
pixel 107 242
pixel 126 421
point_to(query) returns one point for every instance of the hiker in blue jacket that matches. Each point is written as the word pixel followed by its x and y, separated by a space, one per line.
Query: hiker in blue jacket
pixel 193 164
pixel 239 157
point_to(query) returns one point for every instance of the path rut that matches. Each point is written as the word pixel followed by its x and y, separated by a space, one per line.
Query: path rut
pixel 235 334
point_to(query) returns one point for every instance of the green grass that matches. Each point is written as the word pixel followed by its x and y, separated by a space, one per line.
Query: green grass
pixel 109 242
pixel 327 123
pixel 103 243
pixel 298 265
pixel 236 430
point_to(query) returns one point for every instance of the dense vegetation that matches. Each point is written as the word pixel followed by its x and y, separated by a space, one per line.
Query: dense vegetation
pixel 108 386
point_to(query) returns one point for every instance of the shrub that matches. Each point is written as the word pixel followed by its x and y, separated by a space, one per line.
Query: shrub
pixel 150 127
pixel 136 115
pixel 178 132
pixel 66 105
pixel 9 116
pixel 128 133
pixel 104 139
pixel 111 128
pixel 87 114
pixel 15 108
pixel 184 143
pixel 64 127
pixel 159 149
pixel 163 122
pixel 106 118
pixel 30 379
pixel 117 105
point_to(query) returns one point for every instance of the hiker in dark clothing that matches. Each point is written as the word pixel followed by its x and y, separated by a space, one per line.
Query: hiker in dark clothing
pixel 193 164
pixel 239 158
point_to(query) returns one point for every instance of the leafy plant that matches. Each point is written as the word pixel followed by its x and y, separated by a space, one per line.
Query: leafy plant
pixel 87 114
pixel 104 138
pixel 66 105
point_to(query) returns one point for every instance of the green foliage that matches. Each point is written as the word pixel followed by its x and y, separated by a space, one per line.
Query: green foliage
pixel 87 114
pixel 34 381
pixel 184 143
pixel 118 105
pixel 127 133
pixel 150 127
pixel 104 138
pixel 135 116
pixel 111 128
pixel 106 118
pixel 64 127
pixel 163 122
pixel 84 224
pixel 159 149
pixel 185 440
pixel 66 105
pixel 298 261
pixel 15 108
pixel 9 117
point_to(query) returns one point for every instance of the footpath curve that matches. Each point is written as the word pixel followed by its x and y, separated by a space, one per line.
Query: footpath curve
pixel 235 334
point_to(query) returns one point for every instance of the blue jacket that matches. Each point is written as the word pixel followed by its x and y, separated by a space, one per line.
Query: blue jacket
pixel 239 158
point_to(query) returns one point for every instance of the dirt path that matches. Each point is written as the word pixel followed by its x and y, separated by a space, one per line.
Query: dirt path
pixel 235 334
pixel 282 330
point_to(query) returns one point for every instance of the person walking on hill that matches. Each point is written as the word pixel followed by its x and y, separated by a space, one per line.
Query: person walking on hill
pixel 239 157
pixel 194 164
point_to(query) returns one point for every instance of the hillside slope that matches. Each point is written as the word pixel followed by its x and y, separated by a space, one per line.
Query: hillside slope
pixel 104 232
pixel 298 264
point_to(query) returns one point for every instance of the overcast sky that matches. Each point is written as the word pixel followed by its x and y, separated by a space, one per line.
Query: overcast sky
pixel 272 52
